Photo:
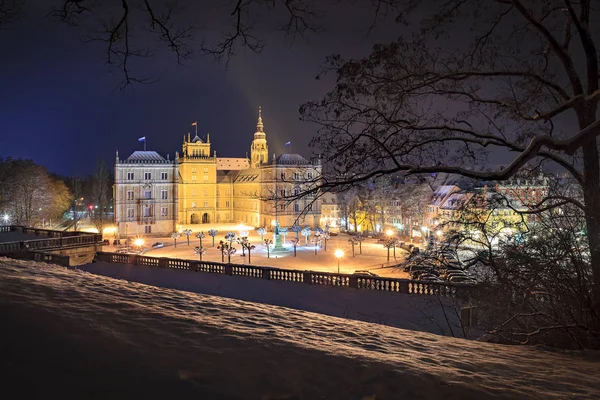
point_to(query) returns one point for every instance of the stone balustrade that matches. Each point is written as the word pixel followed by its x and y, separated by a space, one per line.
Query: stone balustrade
pixel 382 284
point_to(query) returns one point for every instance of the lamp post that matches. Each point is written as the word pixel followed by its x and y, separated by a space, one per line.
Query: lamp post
pixel 389 234
pixel 339 253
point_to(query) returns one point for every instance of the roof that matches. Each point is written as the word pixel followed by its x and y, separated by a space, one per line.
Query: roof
pixel 232 163
pixel 149 157
pixel 197 139
pixel 441 193
pixel 456 200
pixel 291 159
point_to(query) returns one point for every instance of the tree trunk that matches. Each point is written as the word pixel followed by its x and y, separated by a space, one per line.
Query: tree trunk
pixel 591 195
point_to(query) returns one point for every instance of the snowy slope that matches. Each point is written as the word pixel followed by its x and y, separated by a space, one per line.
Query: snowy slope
pixel 236 349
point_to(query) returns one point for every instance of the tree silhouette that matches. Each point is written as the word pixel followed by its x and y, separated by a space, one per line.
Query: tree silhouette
pixel 187 233
pixel 199 251
pixel 200 236
pixel 306 232
pixel 261 232
pixel 175 236
pixel 295 244
pixel 213 233
pixel 268 243
pixel 296 228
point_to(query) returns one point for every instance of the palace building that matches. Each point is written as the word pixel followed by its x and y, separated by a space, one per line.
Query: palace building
pixel 155 195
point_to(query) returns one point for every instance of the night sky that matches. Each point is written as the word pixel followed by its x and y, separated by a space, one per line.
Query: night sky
pixel 60 105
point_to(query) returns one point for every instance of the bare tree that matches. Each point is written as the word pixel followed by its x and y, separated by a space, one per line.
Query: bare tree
pixel 100 196
pixel 136 29
pixel 518 77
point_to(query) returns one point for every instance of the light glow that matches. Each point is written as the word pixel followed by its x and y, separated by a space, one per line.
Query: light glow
pixel 138 242
pixel 339 253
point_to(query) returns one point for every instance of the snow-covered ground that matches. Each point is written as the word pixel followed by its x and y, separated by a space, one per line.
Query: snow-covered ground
pixel 421 313
pixel 373 257
pixel 76 335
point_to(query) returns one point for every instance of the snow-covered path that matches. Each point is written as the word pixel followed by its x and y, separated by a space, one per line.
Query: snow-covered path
pixel 226 348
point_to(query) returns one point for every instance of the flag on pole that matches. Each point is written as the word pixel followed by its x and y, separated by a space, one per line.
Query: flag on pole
pixel 288 144
pixel 195 123
pixel 142 139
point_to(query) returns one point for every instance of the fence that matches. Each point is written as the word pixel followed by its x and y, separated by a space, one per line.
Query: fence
pixel 43 232
pixel 381 284
pixel 53 239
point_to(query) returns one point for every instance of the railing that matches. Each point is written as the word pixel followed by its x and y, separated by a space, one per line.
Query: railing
pixel 52 240
pixel 380 284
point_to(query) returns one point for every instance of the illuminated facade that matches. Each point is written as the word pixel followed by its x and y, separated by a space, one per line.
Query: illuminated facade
pixel 207 189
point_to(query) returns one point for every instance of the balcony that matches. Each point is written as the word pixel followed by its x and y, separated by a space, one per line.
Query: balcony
pixel 147 220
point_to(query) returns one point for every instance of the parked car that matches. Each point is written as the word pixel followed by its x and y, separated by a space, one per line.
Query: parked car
pixel 158 245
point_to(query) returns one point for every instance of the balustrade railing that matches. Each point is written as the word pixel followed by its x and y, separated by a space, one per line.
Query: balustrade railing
pixel 381 284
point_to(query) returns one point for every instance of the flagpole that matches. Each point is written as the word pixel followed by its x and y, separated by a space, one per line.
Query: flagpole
pixel 144 143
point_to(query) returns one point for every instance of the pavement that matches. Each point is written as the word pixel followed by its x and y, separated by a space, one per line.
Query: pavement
pixel 373 257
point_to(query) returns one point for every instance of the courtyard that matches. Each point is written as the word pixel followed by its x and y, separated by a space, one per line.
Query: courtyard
pixel 370 256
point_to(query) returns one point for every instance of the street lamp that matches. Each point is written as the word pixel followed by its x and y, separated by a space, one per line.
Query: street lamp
pixel 6 218
pixel 339 253
pixel 139 242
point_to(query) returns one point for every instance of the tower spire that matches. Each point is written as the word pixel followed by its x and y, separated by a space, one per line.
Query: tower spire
pixel 259 124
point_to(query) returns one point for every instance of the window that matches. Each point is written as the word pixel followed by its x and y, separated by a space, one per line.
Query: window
pixel 282 207
pixel 296 191
pixel 163 211
pixel 193 170
pixel 283 176
pixel 227 203
pixel 309 208
pixel 163 194
pixel 163 176
pixel 296 207
pixel 218 192
pixel 147 194
pixel 193 204
pixel 218 204
pixel 296 176
pixel 205 178
pixel 206 170
pixel 147 175
pixel 205 192
pixel 193 177
pixel 130 176
pixel 283 193
pixel 310 175
pixel 147 229
pixel 130 213
pixel 206 204
pixel 130 195
pixel 193 192
pixel 146 211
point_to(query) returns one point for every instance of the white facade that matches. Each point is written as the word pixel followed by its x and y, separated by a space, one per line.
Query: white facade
pixel 145 192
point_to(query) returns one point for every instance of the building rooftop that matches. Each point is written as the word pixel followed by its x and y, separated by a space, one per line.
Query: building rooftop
pixel 291 159
pixel 150 157
pixel 232 163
